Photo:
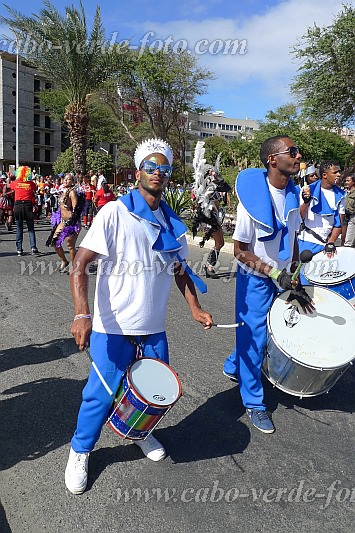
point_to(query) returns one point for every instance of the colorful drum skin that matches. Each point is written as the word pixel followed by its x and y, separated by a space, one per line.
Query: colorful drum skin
pixel 336 274
pixel 149 389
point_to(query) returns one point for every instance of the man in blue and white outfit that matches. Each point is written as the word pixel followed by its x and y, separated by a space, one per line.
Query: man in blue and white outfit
pixel 140 245
pixel 322 211
pixel 265 246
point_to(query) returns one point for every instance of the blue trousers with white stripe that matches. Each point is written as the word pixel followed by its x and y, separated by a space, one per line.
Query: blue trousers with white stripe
pixel 254 296
pixel 112 355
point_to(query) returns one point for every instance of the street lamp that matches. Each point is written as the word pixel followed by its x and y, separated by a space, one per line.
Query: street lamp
pixel 17 126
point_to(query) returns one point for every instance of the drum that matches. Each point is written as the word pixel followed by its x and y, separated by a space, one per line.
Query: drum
pixel 147 392
pixel 337 274
pixel 307 353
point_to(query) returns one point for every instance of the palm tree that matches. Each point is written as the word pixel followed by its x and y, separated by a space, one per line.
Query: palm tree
pixel 75 61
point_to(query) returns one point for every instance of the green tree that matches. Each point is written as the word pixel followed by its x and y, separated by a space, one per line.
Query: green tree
pixel 95 161
pixel 326 80
pixel 76 60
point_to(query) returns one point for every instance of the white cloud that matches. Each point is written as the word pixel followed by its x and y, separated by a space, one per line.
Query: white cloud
pixel 269 37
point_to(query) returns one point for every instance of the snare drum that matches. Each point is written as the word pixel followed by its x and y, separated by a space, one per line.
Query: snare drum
pixel 147 392
pixel 307 353
pixel 337 273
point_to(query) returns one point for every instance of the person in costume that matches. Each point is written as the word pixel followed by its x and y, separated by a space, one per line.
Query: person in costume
pixel 265 246
pixel 208 191
pixel 323 212
pixel 130 303
pixel 25 190
pixel 350 210
pixel 66 221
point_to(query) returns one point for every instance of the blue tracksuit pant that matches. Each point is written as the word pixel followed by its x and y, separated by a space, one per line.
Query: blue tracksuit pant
pixel 254 296
pixel 112 355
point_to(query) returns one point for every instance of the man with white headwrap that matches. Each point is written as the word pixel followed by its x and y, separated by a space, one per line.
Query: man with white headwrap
pixel 140 243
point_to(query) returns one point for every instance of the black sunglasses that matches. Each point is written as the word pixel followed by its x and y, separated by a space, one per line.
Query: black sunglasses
pixel 293 151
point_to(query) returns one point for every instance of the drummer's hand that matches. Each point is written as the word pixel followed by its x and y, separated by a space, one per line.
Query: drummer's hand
pixel 330 250
pixel 300 295
pixel 202 317
pixel 81 331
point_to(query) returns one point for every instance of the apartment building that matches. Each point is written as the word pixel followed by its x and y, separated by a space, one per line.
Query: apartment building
pixel 39 136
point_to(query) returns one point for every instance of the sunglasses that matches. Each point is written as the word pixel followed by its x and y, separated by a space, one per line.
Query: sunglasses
pixel 150 167
pixel 293 151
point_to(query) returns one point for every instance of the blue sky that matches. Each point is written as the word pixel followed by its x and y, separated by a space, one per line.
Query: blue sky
pixel 246 44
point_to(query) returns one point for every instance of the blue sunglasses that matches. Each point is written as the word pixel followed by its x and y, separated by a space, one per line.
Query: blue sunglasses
pixel 150 167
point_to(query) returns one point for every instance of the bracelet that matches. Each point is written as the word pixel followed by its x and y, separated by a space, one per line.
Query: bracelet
pixel 77 317
pixel 274 273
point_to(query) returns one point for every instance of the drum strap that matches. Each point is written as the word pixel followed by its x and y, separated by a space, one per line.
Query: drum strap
pixel 313 233
pixel 138 345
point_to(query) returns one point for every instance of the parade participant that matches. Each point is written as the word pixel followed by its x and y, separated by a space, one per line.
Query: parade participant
pixel 7 196
pixel 265 245
pixel 66 221
pixel 350 210
pixel 322 211
pixel 89 196
pixel 103 196
pixel 25 190
pixel 129 309
pixel 208 192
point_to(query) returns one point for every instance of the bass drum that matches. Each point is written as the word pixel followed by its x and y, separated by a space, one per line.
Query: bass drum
pixel 336 274
pixel 306 354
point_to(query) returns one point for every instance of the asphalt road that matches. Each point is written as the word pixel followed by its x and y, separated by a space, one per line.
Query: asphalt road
pixel 220 475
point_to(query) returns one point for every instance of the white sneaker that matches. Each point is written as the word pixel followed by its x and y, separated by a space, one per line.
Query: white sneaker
pixel 76 472
pixel 151 448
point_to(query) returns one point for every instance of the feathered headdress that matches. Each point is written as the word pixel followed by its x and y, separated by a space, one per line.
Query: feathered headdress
pixel 204 185
pixel 23 173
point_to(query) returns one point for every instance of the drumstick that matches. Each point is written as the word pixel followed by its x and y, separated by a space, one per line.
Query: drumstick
pixel 236 325
pixel 103 381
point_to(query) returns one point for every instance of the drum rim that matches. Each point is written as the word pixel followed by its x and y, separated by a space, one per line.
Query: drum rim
pixel 139 396
pixel 331 282
pixel 269 332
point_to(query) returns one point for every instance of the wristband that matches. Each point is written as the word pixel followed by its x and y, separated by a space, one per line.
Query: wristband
pixel 274 273
pixel 77 317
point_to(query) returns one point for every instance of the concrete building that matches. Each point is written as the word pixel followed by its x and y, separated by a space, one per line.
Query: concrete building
pixel 39 136
pixel 218 125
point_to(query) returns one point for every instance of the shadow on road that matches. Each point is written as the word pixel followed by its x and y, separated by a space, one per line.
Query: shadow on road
pixel 211 431
pixel 4 525
pixel 39 419
pixel 34 354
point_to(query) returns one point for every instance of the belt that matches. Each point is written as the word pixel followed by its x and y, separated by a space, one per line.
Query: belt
pixel 23 202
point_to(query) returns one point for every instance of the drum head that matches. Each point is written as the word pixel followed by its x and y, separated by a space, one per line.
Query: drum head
pixel 324 271
pixel 323 339
pixel 155 382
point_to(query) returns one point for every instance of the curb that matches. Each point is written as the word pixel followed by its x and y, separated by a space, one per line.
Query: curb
pixel 228 247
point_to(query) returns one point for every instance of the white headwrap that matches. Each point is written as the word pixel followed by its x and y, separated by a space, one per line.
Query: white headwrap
pixel 310 170
pixel 152 146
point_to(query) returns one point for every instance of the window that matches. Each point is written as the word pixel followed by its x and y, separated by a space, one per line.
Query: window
pixel 36 85
pixel 47 122
pixel 36 102
pixel 47 156
pixel 37 154
pixel 47 139
pixel 36 137
pixel 36 120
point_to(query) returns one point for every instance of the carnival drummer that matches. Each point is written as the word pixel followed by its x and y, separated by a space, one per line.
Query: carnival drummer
pixel 128 309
